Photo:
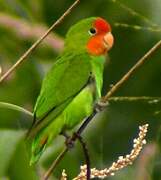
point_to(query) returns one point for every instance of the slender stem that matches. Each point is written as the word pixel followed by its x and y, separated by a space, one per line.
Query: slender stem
pixel 25 30
pixel 131 71
pixel 104 99
pixel 15 107
pixel 58 159
pixel 87 157
pixel 135 13
pixel 26 54
pixel 86 122
pixel 137 27
pixel 131 98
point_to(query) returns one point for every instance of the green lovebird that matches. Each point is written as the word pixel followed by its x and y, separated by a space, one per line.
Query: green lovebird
pixel 73 85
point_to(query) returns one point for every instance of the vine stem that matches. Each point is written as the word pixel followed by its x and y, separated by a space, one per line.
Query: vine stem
pixel 104 100
pixel 34 46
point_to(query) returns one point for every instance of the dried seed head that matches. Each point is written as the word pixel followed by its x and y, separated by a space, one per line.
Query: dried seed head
pixel 119 164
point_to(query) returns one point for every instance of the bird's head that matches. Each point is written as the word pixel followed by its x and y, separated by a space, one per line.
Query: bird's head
pixel 92 35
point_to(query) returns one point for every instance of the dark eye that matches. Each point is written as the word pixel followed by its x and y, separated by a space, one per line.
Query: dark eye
pixel 92 31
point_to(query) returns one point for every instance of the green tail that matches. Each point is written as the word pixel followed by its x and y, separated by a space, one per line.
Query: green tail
pixel 80 107
pixel 43 138
pixel 38 146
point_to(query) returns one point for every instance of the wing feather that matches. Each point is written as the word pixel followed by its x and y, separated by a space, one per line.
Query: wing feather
pixel 65 80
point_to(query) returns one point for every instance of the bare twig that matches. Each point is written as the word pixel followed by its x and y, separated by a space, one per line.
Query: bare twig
pixel 131 71
pixel 86 153
pixel 119 164
pixel 135 13
pixel 61 155
pixel 151 100
pixel 72 140
pixel 26 30
pixel 137 27
pixel 58 159
pixel 25 55
pixel 106 98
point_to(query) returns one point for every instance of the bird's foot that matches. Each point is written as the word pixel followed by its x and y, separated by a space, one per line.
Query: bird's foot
pixel 68 140
pixel 69 143
pixel 100 106
pixel 71 140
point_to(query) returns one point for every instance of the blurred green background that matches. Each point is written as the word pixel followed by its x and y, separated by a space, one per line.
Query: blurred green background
pixel 111 133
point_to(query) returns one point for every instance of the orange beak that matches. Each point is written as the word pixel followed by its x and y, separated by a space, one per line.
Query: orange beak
pixel 108 41
pixel 100 44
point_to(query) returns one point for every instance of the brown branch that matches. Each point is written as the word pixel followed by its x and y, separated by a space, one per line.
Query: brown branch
pixel 26 30
pixel 58 159
pixel 67 148
pixel 131 71
pixel 64 151
pixel 26 54
pixel 137 27
pixel 149 99
pixel 87 158
pixel 105 99
pixel 135 13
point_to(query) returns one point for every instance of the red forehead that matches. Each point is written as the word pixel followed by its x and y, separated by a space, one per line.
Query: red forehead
pixel 102 25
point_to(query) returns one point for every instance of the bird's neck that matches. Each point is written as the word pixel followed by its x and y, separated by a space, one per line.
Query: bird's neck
pixel 97 63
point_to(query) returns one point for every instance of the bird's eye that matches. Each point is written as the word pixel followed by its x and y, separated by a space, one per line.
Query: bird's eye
pixel 92 31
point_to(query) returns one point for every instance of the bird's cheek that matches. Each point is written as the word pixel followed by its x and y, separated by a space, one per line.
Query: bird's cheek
pixel 95 46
